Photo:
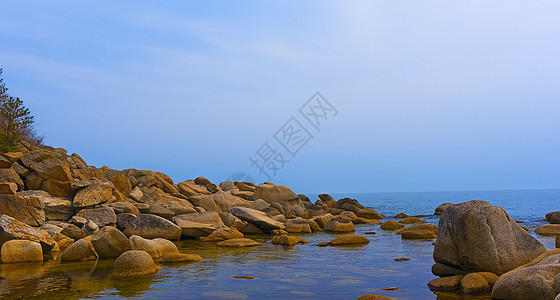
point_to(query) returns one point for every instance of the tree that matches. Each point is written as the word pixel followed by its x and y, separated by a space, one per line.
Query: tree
pixel 17 117
pixel 15 120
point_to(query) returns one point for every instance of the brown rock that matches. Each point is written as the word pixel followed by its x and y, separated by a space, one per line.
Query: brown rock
pixel 373 297
pixel 548 229
pixel 134 263
pixel 19 251
pixel 9 188
pixel 412 220
pixel 440 209
pixel 48 164
pixel 339 225
pixel 450 283
pixel 151 226
pixel 78 251
pixel 102 216
pixel 110 242
pixel 391 225
pixel 28 210
pixel 242 242
pixel 179 257
pixel 9 175
pixel 222 234
pixel 274 193
pixel 474 283
pixel 95 193
pixel 349 239
pixel 288 240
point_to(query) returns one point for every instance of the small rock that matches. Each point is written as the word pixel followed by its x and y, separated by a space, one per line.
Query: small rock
pixel 179 257
pixel 450 283
pixel 391 225
pixel 548 229
pixel 402 259
pixel 245 277
pixel 412 220
pixel 349 239
pixel 373 297
pixel 288 240
pixel 323 244
pixel 78 251
pixel 340 225
pixel 441 208
pixel 221 234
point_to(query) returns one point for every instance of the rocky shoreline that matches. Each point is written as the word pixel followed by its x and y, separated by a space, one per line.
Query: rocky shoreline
pixel 53 204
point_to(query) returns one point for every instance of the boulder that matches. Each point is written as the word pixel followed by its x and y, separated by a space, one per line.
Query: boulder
pixel 125 207
pixel 110 242
pixel 245 186
pixel 159 210
pixel 252 229
pixel 48 164
pixel 227 186
pixel 164 247
pixel 439 210
pixel 373 297
pixel 57 188
pixel 19 251
pixel 553 217
pixel 78 251
pixel 274 193
pixel 102 216
pixel 401 216
pixel 241 242
pixel 179 257
pixel 323 220
pixel 140 243
pixel 134 263
pixel 72 231
pixel 349 239
pixel 256 217
pixel 8 188
pixel 208 217
pixel 55 208
pixel 391 225
pixel 21 170
pixel 95 193
pixel 29 210
pixel 475 236
pixel 297 225
pixel 5 163
pixel 474 283
pixel 177 205
pixel 536 280
pixel 449 283
pixel 189 188
pixel 288 240
pixel 258 204
pixel 151 226
pixel 9 175
pixel 548 229
pixel 339 225
pixel 418 234
pixel 194 229
pixel 430 227
pixel 12 229
pixel 222 234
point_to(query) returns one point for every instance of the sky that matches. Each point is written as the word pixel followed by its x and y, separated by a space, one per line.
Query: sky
pixel 412 95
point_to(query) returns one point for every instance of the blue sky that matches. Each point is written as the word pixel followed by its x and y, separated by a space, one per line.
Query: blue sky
pixel 431 95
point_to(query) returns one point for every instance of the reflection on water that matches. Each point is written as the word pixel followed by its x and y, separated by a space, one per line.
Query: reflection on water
pixel 302 271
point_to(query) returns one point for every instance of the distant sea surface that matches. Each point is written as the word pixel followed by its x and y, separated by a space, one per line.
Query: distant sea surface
pixel 299 272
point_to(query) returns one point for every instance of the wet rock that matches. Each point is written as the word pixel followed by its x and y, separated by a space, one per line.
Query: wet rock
pixel 78 251
pixel 110 242
pixel 339 225
pixel 535 280
pixel 401 216
pixel 373 297
pixel 476 236
pixel 134 263
pixel 12 229
pixel 288 240
pixel 242 242
pixel 323 244
pixel 474 283
pixel 256 217
pixel 418 234
pixel 412 220
pixel 553 217
pixel 548 229
pixel 19 251
pixel 102 216
pixel 441 208
pixel 222 234
pixel 297 225
pixel 349 239
pixel 28 210
pixel 391 225
pixel 179 257
pixel 151 226
pixel 450 283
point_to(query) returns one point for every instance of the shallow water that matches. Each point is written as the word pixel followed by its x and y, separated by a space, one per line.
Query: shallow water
pixel 302 271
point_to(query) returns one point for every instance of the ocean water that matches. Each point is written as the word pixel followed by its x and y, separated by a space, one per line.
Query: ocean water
pixel 299 272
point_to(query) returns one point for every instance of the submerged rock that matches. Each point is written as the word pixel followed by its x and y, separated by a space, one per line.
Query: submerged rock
pixel 179 257
pixel 242 242
pixel 288 240
pixel 134 263
pixel 349 239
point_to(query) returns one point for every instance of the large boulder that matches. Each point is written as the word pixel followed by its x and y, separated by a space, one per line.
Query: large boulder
pixel 152 226
pixel 140 243
pixel 29 210
pixel 553 217
pixel 539 279
pixel 134 263
pixel 297 225
pixel 12 229
pixel 110 242
pixel 18 251
pixel 288 240
pixel 256 217
pixel 274 193
pixel 102 216
pixel 476 236
pixel 222 234
pixel 96 192
pixel 198 224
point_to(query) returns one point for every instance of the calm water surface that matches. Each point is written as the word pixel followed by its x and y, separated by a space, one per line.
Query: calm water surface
pixel 300 272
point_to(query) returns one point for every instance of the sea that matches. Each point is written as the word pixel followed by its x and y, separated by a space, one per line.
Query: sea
pixel 302 271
